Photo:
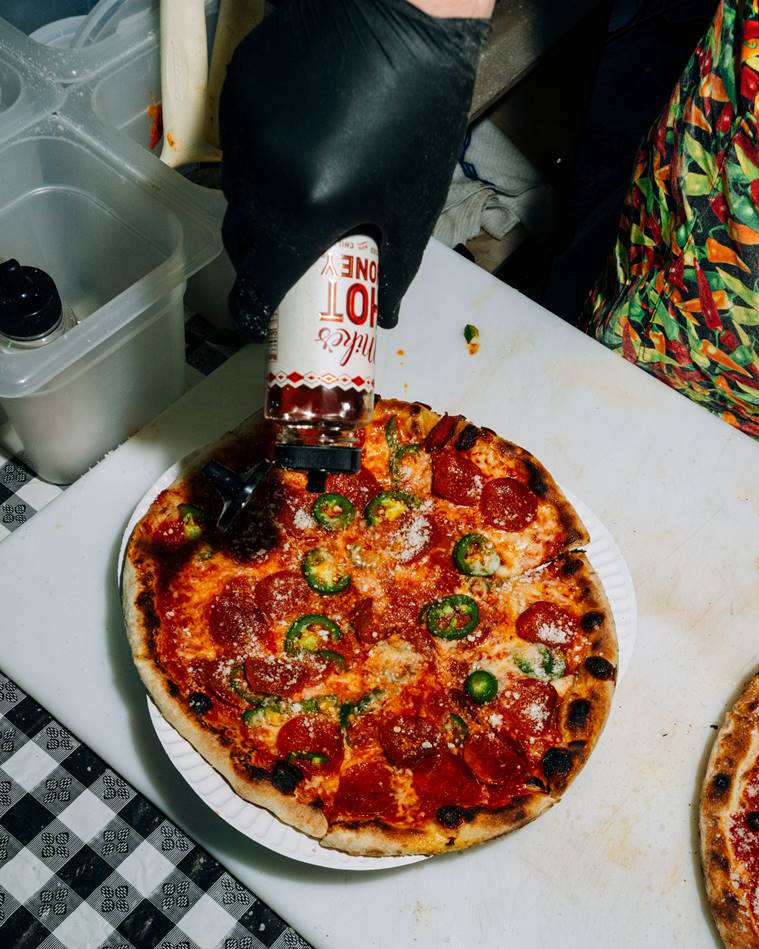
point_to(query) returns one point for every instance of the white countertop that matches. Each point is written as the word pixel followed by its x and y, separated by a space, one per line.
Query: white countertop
pixel 616 863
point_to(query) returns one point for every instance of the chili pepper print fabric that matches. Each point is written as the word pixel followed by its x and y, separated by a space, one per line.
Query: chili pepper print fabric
pixel 680 295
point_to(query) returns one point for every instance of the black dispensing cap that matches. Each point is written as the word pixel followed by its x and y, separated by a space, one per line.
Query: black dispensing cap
pixel 318 461
pixel 236 489
pixel 29 303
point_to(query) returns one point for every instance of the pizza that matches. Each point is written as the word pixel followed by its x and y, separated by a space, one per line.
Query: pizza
pixel 730 823
pixel 417 660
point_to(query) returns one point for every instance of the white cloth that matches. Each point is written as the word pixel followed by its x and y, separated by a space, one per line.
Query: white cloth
pixel 498 190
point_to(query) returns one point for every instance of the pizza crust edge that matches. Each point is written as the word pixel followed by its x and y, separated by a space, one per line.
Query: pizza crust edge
pixel 718 799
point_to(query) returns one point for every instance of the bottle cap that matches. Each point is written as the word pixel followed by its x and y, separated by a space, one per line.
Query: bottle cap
pixel 318 461
pixel 30 306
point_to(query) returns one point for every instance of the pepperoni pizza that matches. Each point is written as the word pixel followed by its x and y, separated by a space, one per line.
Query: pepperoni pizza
pixel 730 823
pixel 419 659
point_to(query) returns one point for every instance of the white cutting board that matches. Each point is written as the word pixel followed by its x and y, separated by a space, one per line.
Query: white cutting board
pixel 615 863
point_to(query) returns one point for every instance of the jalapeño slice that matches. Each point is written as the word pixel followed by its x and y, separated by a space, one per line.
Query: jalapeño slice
pixel 316 758
pixel 367 702
pixel 309 633
pixel 456 730
pixel 452 617
pixel 391 433
pixel 333 512
pixel 192 519
pixel 238 684
pixel 476 556
pixel 541 663
pixel 389 506
pixel 481 686
pixel 322 574
pixel 396 469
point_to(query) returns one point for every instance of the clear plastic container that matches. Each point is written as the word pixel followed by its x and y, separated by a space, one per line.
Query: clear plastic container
pixel 119 247
pixel 121 100
pixel 61 63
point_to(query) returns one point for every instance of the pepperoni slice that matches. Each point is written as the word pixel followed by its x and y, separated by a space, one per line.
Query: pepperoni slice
pixel 492 761
pixel 276 675
pixel 282 595
pixel 365 621
pixel 311 735
pixel 234 619
pixel 508 504
pixel 363 730
pixel 440 433
pixel 445 779
pixel 359 488
pixel 208 678
pixel 528 709
pixel 168 532
pixel 365 790
pixel 547 623
pixel 456 478
pixel 407 741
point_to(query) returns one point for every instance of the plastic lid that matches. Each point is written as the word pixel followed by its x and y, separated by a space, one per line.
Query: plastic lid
pixel 30 306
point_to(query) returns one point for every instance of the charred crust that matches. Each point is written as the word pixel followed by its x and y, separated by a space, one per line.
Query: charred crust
pixel 536 483
pixel 286 776
pixel 467 437
pixel 452 816
pixel 721 860
pixel 536 783
pixel 255 773
pixel 577 745
pixel 146 605
pixel 592 620
pixel 600 668
pixel 556 761
pixel 720 786
pixel 199 703
pixel 173 688
pixel 415 408
pixel 571 566
pixel 752 819
pixel 578 714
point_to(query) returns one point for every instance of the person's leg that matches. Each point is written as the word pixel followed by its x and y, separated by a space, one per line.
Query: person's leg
pixel 680 295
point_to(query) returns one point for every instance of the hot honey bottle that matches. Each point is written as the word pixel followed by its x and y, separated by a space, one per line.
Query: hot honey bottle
pixel 320 375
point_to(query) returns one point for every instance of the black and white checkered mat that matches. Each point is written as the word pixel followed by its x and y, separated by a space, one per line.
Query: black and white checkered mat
pixel 88 863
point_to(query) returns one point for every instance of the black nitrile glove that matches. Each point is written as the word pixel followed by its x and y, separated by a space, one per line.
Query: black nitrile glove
pixel 337 114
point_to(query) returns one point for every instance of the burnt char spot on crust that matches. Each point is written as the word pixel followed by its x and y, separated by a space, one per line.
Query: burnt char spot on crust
pixel 146 606
pixel 579 713
pixel 286 776
pixel 570 567
pixel 592 620
pixel 556 761
pixel 752 819
pixel 467 437
pixel 600 668
pixel 255 773
pixel 720 786
pixel 199 703
pixel 173 688
pixel 534 782
pixel 535 483
pixel 415 408
pixel 452 816
pixel 721 860
pixel 577 746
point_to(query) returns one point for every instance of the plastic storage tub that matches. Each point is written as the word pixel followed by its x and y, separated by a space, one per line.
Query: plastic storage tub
pixel 119 247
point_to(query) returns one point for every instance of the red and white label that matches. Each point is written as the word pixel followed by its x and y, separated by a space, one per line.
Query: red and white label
pixel 324 332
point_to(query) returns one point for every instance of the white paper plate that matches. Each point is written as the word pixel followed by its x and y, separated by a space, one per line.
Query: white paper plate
pixel 261 826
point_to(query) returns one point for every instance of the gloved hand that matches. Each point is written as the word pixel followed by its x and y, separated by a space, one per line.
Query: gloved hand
pixel 333 116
